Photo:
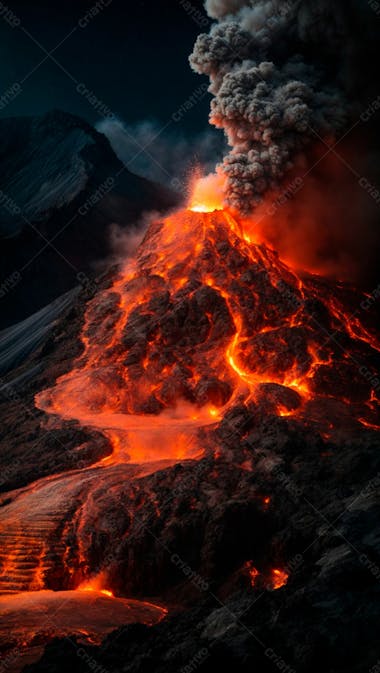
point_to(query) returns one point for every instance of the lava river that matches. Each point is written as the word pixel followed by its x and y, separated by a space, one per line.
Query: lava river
pixel 203 318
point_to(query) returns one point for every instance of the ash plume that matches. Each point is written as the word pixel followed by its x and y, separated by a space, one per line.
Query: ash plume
pixel 284 75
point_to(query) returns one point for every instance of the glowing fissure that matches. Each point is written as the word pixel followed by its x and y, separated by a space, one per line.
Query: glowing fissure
pixel 201 315
pixel 273 579
pixel 204 318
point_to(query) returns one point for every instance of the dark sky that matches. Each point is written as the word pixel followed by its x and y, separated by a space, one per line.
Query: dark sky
pixel 132 55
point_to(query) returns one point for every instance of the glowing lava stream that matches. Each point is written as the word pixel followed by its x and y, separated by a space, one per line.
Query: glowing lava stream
pixel 34 618
pixel 204 317
pixel 197 320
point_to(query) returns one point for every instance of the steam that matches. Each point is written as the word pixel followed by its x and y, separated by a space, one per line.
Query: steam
pixel 124 242
pixel 162 155
pixel 280 76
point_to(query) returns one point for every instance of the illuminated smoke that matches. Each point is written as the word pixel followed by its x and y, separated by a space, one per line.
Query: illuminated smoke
pixel 280 76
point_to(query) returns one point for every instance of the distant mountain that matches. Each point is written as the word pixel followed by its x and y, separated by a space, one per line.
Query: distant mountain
pixel 61 188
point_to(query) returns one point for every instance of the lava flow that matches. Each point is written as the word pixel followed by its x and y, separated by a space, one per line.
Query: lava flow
pixel 205 316
pixel 203 319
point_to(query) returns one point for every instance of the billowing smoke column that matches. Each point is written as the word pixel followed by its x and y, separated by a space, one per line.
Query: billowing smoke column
pixel 277 71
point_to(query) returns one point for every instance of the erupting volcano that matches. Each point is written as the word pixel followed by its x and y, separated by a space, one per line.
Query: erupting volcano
pixel 205 320
pixel 206 317
pixel 189 448
pixel 206 323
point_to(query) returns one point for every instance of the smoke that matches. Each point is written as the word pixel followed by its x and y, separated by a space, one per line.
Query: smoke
pixel 165 156
pixel 284 75
pixel 124 242
pixel 218 8
pixel 326 223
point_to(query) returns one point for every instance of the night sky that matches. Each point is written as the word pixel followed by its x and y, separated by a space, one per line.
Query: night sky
pixel 132 55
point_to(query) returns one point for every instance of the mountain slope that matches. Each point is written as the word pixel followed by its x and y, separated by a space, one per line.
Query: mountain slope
pixel 284 485
pixel 61 188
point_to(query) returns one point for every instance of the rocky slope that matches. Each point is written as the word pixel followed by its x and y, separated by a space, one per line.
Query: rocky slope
pixel 63 184
pixel 265 545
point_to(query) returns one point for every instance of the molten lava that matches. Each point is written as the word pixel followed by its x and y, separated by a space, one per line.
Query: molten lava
pixel 34 618
pixel 202 318
pixel 203 321
pixel 207 194
pixel 95 585
pixel 274 580
pixel 279 578
pixel 252 572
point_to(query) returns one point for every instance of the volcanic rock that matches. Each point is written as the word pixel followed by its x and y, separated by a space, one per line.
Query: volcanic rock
pixel 238 488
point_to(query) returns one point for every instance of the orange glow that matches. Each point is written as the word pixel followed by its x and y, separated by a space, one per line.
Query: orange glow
pixel 366 424
pixel 135 398
pixel 207 194
pixel 106 592
pixel 31 617
pixel 279 578
pixel 202 320
pixel 95 584
pixel 253 573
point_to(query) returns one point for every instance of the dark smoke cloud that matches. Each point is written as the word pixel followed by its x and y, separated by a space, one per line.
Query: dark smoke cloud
pixel 283 74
